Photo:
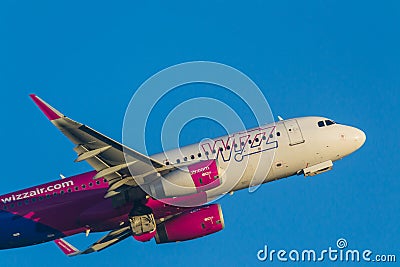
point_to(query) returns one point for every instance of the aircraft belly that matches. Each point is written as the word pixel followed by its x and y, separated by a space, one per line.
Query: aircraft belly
pixel 18 231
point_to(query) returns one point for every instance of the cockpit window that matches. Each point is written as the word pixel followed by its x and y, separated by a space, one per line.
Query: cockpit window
pixel 321 124
pixel 329 122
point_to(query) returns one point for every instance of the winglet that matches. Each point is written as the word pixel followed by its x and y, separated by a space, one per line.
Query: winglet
pixel 66 247
pixel 50 112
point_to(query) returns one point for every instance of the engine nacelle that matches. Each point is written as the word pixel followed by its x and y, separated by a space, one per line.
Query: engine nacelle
pixel 190 225
pixel 195 178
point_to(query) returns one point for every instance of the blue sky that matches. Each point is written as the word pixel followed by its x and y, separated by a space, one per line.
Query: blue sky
pixel 338 59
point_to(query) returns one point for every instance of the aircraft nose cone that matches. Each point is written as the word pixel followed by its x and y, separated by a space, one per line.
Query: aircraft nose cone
pixel 359 138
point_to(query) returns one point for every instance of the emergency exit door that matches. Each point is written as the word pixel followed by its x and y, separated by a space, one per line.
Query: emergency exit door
pixel 294 132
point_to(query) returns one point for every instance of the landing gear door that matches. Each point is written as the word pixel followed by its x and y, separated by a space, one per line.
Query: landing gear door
pixel 294 132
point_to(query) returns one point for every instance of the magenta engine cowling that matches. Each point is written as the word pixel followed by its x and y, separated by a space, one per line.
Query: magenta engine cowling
pixel 190 225
pixel 191 179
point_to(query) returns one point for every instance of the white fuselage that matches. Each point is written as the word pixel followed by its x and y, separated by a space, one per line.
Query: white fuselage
pixel 270 152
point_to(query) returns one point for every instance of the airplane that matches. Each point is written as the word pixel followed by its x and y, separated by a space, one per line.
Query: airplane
pixel 166 196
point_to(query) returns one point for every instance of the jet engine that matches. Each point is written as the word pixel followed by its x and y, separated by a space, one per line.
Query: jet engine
pixel 191 179
pixel 193 224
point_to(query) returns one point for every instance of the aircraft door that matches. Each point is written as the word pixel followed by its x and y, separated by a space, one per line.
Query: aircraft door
pixel 294 132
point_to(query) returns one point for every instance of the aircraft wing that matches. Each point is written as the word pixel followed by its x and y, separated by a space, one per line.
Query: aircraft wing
pixel 110 239
pixel 104 154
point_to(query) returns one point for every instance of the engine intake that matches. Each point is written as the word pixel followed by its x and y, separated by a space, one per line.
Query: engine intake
pixel 190 225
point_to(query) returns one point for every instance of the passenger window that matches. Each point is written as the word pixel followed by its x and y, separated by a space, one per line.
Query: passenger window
pixel 321 124
pixel 178 161
pixel 192 156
